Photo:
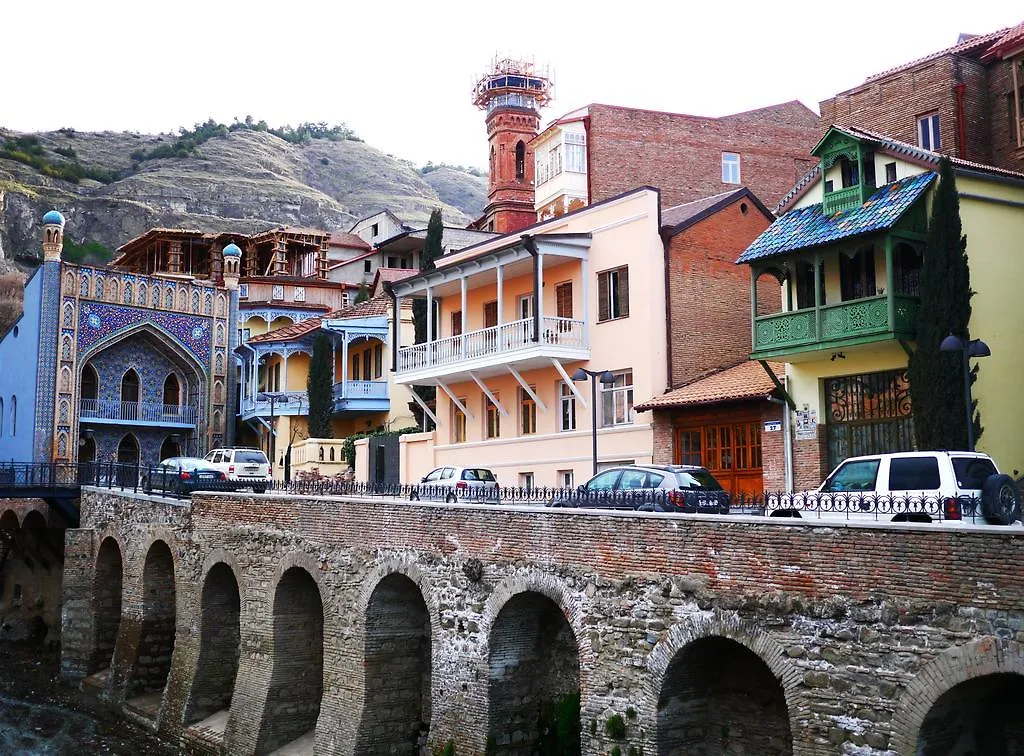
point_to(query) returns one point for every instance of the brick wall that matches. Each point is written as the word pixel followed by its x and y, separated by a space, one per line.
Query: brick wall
pixel 810 460
pixel 682 155
pixel 709 294
pixel 815 609
pixel 773 462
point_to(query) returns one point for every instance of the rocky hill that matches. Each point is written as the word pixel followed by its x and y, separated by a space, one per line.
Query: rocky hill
pixel 245 180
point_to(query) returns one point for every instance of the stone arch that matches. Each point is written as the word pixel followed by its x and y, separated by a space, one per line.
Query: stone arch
pixel 151 664
pixel 534 657
pixel 975 670
pixel 34 520
pixel 296 683
pixel 107 588
pixel 213 684
pixel 712 676
pixel 9 520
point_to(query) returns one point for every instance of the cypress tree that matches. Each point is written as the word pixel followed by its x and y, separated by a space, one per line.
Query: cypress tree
pixel 432 250
pixel 319 388
pixel 363 293
pixel 936 377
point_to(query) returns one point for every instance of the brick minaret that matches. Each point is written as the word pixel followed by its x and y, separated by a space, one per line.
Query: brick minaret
pixel 512 93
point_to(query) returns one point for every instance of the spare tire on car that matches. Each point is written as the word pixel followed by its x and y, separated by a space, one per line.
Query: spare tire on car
pixel 1000 500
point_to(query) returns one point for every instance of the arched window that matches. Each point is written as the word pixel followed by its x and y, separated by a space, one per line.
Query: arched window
pixel 172 391
pixel 90 382
pixel 520 160
pixel 130 386
pixel 14 415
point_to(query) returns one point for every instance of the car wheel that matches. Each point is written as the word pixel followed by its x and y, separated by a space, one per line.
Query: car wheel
pixel 1000 500
pixel 450 499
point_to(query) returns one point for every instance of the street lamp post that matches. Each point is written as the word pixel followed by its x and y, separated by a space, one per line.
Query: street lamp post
pixel 969 348
pixel 272 397
pixel 607 379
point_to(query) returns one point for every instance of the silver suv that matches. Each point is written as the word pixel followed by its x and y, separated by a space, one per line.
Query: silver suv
pixel 909 487
pixel 651 488
pixel 246 466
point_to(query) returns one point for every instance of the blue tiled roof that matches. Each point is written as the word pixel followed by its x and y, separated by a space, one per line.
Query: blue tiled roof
pixel 810 227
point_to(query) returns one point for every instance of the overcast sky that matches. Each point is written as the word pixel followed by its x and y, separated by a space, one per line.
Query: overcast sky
pixel 400 73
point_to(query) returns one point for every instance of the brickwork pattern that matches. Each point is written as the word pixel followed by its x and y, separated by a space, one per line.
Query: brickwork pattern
pixel 863 628
pixel 682 155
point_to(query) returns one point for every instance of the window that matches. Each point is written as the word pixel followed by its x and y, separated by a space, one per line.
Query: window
pixel 566 407
pixel 356 367
pixel 524 305
pixel 613 294
pixel 689 447
pixel 130 386
pixel 575 152
pixel 392 261
pixel 492 418
pixel 617 400
pixel 378 361
pixel 277 376
pixel 890 172
pixel 857 274
pixel 373 230
pixel 299 294
pixel 90 382
pixel 604 481
pixel 1015 110
pixel 565 478
pixel 490 314
pixel 172 391
pixel 850 172
pixel 913 473
pixel 458 423
pixel 907 264
pixel 632 479
pixel 563 300
pixel 805 284
pixel 457 323
pixel 526 480
pixel 367 266
pixel 853 476
pixel 277 292
pixel 972 472
pixel 928 132
pixel 527 412
pixel 243 291
pixel 243 335
pixel 730 168
pixel 520 160
pixel 367 362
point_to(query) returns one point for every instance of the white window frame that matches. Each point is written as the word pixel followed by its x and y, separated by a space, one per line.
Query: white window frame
pixel 565 478
pixel 731 168
pixel 614 283
pixel 527 480
pixel 566 404
pixel 575 152
pixel 617 400
pixel 243 291
pixel 525 306
pixel 928 130
pixel 299 294
pixel 277 292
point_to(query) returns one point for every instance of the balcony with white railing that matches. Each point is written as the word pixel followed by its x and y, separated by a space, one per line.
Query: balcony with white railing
pixel 489 350
pixel 137 413
pixel 361 396
pixel 285 403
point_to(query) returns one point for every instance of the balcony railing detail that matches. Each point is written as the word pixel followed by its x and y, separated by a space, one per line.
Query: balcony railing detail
pixel 361 390
pixel 832 323
pixel 842 199
pixel 297 403
pixel 146 412
pixel 496 340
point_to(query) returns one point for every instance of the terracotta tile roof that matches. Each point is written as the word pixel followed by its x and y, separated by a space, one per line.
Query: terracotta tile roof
pixel 393 274
pixel 343 239
pixel 964 47
pixel 371 307
pixel 810 226
pixel 1010 42
pixel 748 380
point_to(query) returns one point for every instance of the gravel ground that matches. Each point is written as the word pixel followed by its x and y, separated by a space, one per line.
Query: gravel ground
pixel 42 714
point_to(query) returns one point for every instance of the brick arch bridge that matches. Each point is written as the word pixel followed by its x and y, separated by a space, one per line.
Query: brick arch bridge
pixel 344 626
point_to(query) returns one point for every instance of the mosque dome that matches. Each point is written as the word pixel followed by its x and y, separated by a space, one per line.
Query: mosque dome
pixel 232 250
pixel 53 218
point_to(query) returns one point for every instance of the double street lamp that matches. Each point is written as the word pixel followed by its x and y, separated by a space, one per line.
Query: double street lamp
pixel 607 379
pixel 970 348
pixel 272 397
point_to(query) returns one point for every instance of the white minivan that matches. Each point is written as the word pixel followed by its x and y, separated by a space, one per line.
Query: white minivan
pixel 246 466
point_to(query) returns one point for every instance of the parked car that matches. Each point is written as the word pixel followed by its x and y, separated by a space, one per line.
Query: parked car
pixel 244 466
pixel 452 484
pixel 650 488
pixel 181 476
pixel 947 486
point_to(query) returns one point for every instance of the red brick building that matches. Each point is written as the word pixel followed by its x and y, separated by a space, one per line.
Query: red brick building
pixel 966 101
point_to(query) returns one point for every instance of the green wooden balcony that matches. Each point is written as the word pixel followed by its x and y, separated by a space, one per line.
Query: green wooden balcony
pixel 860 321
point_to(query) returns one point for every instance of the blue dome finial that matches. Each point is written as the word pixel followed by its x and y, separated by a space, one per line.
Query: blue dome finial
pixel 53 218
pixel 232 250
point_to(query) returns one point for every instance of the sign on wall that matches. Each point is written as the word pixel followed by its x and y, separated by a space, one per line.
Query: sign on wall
pixel 806 423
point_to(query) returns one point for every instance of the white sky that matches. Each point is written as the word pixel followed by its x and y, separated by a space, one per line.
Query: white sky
pixel 400 73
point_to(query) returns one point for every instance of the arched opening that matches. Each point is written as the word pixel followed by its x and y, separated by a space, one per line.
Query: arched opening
pixel 87 459
pixel 768 290
pixel 106 603
pixel 130 386
pixel 718 696
pixel 297 679
pixel 170 448
pixel 978 716
pixel 520 160
pixel 219 643
pixel 907 263
pixel 172 391
pixel 128 461
pixel 534 679
pixel 90 382
pixel 9 521
pixel 152 662
pixel 396 712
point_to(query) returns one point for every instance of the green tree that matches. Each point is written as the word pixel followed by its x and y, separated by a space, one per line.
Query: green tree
pixel 936 377
pixel 363 294
pixel 87 253
pixel 432 250
pixel 319 388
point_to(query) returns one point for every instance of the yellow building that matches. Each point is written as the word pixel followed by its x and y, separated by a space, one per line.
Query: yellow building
pixel 848 251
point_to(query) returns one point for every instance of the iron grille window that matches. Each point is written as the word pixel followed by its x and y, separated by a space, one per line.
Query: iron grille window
pixel 868 414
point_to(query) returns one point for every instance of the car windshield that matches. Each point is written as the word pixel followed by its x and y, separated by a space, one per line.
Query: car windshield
pixel 478 473
pixel 251 457
pixel 698 479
